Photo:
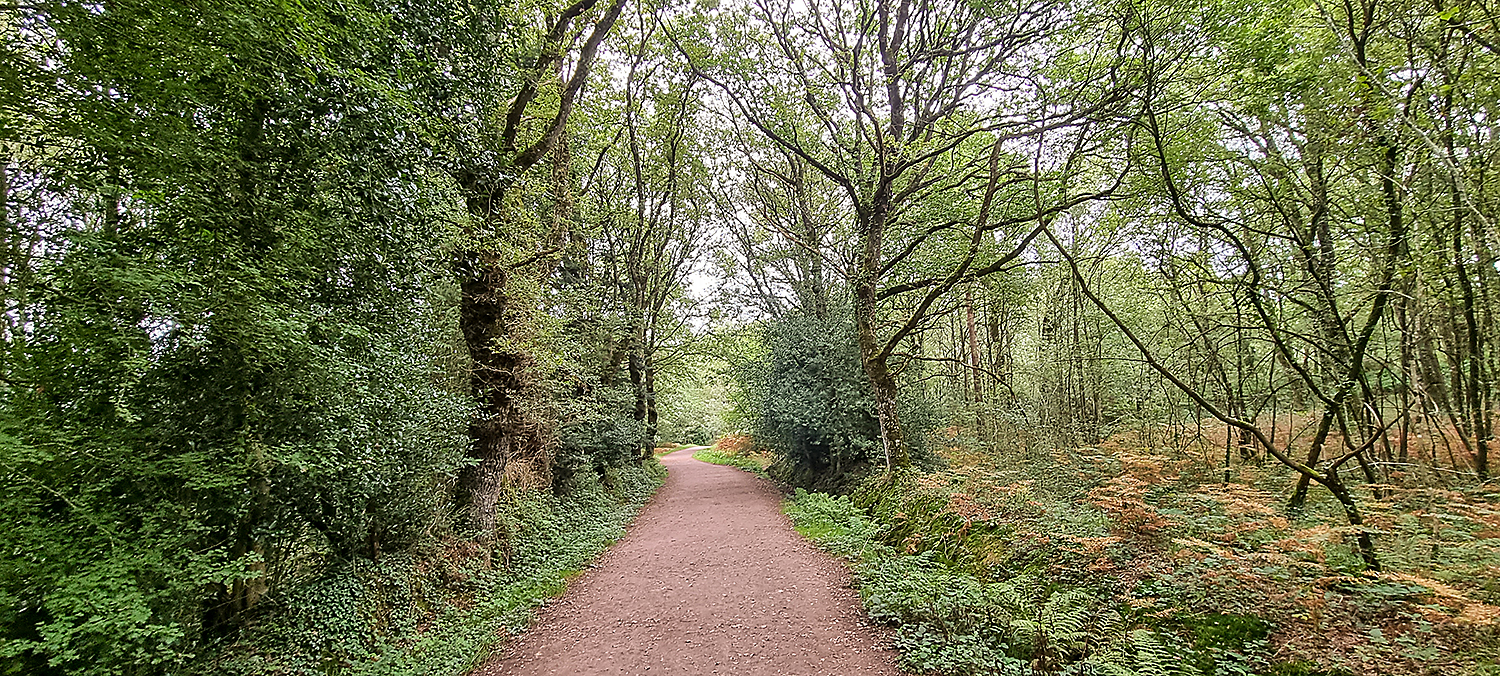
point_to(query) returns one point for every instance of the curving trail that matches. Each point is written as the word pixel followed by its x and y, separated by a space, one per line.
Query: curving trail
pixel 710 579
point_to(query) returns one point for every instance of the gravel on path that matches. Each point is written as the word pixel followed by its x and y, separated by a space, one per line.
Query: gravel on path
pixel 709 579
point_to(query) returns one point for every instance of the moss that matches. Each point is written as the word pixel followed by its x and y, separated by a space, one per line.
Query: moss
pixel 1227 632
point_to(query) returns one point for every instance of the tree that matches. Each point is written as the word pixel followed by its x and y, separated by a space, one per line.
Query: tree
pixel 894 103
pixel 223 342
pixel 649 193
pixel 1311 142
pixel 510 239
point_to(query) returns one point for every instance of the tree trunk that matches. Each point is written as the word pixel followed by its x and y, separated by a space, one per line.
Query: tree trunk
pixel 874 355
pixel 231 601
pixel 1471 353
pixel 891 439
pixel 652 415
pixel 10 257
pixel 813 238
pixel 1314 454
pixel 974 368
pixel 1434 383
pixel 1356 519
pixel 500 382
pixel 637 364
pixel 884 385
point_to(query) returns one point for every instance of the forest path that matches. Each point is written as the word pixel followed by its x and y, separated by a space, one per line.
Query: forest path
pixel 710 579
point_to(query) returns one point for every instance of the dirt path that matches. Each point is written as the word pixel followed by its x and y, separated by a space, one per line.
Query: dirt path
pixel 710 579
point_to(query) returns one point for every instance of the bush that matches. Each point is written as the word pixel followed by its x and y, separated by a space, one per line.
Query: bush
pixel 808 399
pixel 601 432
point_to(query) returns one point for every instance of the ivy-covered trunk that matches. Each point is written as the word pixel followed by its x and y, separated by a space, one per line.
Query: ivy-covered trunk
pixel 892 441
pixel 499 382
pixel 653 416
pixel 502 431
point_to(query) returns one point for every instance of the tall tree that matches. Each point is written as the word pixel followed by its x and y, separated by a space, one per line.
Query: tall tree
pixel 649 190
pixel 225 354
pixel 894 103
pixel 517 208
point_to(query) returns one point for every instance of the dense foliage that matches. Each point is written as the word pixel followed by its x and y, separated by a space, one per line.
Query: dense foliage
pixel 808 400
pixel 303 297
pixel 811 401
pixel 236 394
pixel 220 346
pixel 1160 569
pixel 439 608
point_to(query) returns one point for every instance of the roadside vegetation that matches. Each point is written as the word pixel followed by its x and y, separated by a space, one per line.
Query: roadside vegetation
pixel 736 451
pixel 440 609
pixel 1113 559
pixel 1137 337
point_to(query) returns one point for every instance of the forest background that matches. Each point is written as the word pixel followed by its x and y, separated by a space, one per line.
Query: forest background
pixel 1126 337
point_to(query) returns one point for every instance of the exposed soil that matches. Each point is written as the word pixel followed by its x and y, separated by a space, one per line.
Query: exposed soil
pixel 710 579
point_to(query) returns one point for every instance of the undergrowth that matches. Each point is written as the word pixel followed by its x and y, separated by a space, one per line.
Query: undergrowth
pixel 1120 563
pixel 951 620
pixel 441 609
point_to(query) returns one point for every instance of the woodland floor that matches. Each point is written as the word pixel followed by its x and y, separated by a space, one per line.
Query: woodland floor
pixel 710 579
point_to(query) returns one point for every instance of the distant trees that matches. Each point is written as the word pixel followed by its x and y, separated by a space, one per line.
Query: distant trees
pixel 1315 244
pixel 897 105
pixel 649 198
pixel 1322 193
pixel 802 388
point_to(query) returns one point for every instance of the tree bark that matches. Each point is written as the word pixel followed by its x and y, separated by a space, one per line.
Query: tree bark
pixel 872 349
pixel 498 380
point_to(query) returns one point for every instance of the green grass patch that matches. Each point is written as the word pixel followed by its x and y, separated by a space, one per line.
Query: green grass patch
pixel 749 463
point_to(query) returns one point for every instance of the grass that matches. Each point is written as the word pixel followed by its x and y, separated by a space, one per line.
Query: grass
pixel 755 464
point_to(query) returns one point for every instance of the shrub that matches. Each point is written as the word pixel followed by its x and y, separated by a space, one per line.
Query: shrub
pixel 810 402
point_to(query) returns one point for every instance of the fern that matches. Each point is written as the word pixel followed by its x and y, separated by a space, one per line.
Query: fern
pixel 1152 657
pixel 950 623
pixel 1066 617
pixel 1113 657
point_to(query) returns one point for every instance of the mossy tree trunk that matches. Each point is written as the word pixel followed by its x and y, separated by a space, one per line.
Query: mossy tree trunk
pixel 492 307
